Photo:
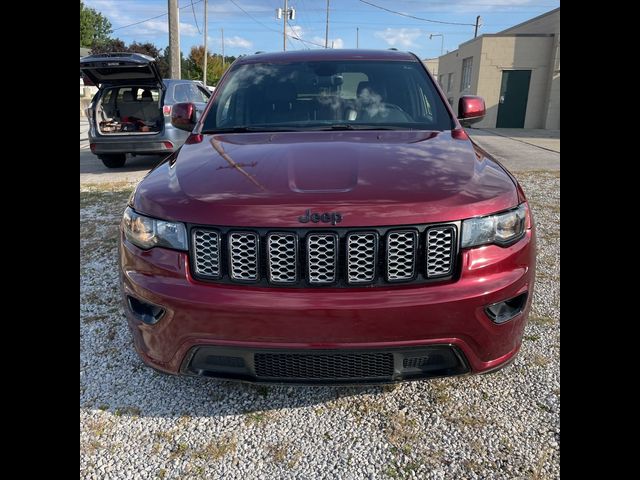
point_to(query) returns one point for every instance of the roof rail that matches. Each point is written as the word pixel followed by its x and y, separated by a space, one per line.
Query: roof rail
pixel 393 48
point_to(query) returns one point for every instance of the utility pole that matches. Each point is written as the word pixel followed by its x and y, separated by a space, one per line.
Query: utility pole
pixel 477 25
pixel 222 33
pixel 357 37
pixel 326 31
pixel 174 39
pixel 286 14
pixel 284 26
pixel 204 75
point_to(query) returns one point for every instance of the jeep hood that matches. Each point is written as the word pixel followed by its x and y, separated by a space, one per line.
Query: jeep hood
pixel 373 178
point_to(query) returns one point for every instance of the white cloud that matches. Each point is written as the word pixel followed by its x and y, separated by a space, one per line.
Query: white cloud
pixel 337 42
pixel 403 37
pixel 296 31
pixel 237 41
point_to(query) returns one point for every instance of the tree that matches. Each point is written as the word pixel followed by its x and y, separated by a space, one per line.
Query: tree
pixel 163 63
pixel 94 27
pixel 195 62
pixel 110 45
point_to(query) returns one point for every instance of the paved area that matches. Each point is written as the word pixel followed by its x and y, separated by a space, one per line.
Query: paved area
pixel 519 150
pixel 93 171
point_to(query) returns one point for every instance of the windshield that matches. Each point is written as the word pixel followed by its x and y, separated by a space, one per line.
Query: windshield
pixel 328 95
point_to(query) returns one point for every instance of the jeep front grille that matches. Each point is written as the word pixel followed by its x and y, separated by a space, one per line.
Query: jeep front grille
pixel 336 257
pixel 362 249
pixel 401 256
pixel 206 252
pixel 243 252
pixel 439 251
pixel 282 257
pixel 321 258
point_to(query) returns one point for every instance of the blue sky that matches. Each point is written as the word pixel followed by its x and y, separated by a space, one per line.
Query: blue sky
pixel 258 29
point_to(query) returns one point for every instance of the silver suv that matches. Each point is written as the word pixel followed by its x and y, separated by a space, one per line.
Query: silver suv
pixel 131 113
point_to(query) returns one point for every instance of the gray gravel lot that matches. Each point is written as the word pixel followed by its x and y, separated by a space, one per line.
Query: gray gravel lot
pixel 136 423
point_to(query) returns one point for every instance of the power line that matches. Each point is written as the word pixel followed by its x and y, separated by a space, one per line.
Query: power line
pixel 296 36
pixel 153 18
pixel 194 17
pixel 417 18
pixel 272 29
pixel 253 18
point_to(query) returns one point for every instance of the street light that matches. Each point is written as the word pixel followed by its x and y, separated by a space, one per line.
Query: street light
pixel 441 44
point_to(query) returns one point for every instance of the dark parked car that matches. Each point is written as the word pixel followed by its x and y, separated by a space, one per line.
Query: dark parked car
pixel 328 220
pixel 131 113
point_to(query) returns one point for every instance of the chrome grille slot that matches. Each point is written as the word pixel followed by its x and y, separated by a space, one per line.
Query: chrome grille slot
pixel 440 249
pixel 206 247
pixel 321 258
pixel 282 257
pixel 401 255
pixel 362 253
pixel 243 256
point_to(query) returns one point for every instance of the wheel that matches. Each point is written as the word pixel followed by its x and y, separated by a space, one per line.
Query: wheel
pixel 115 160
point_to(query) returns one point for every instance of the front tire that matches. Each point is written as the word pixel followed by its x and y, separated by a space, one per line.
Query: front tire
pixel 113 160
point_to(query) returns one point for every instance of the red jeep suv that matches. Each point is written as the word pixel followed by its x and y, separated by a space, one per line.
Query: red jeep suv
pixel 328 220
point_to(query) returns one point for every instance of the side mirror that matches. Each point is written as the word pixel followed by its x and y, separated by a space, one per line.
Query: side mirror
pixel 471 109
pixel 183 116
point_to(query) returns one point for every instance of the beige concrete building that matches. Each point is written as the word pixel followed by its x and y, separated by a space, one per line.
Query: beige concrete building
pixel 516 71
pixel 432 66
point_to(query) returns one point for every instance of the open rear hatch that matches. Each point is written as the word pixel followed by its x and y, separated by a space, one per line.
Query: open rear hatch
pixel 131 92
pixel 120 69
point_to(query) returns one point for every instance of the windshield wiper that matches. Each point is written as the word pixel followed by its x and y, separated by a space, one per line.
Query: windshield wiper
pixel 356 126
pixel 248 128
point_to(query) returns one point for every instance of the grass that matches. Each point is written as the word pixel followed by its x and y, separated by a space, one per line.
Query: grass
pixel 178 450
pixel 167 436
pixel 133 411
pixel 540 360
pixel 262 390
pixel 216 449
pixel 538 469
pixel 439 391
pixel 532 338
pixel 464 415
pixel 543 407
pixel 283 453
pixel 257 418
pixel 541 320
pixel 96 426
pixel 401 432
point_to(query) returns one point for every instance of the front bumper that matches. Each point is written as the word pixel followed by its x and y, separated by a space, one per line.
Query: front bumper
pixel 321 322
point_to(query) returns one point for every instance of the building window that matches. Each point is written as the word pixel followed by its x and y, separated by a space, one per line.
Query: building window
pixel 450 82
pixel 440 79
pixel 467 67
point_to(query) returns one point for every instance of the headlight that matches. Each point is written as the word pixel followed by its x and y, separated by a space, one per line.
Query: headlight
pixel 147 232
pixel 502 228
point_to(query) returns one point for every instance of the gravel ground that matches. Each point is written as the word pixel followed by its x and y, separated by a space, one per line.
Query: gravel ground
pixel 136 423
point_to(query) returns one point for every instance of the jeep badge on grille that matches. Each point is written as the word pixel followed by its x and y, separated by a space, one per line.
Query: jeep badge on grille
pixel 327 217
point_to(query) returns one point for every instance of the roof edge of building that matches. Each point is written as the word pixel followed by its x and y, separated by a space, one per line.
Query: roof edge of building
pixel 550 12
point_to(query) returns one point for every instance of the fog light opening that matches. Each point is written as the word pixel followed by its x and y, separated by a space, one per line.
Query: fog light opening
pixel 502 312
pixel 145 312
